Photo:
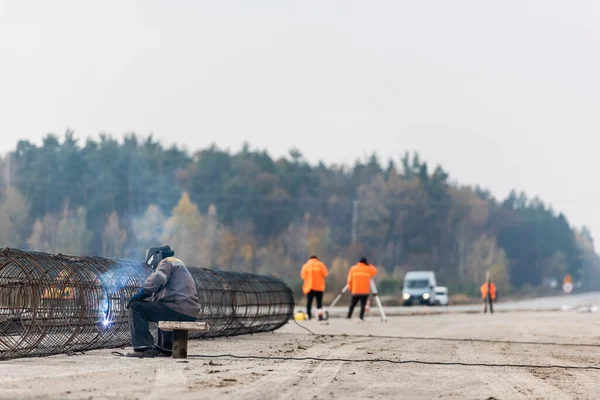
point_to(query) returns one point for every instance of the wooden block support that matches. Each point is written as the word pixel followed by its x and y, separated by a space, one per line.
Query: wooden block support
pixel 180 342
pixel 180 334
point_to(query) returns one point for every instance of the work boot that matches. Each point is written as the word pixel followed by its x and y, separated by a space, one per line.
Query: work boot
pixel 163 353
pixel 148 353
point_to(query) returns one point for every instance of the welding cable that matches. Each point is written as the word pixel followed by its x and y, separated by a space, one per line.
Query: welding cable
pixel 305 328
pixel 384 360
pixel 451 339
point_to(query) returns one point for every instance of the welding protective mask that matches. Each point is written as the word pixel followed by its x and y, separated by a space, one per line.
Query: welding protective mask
pixel 154 255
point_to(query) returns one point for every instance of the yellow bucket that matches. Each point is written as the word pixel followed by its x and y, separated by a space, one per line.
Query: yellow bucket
pixel 299 316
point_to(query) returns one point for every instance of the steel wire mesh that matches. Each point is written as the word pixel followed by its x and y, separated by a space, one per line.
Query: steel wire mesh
pixel 53 304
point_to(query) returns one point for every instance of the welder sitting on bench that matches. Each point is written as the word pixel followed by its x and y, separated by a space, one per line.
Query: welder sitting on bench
pixel 174 298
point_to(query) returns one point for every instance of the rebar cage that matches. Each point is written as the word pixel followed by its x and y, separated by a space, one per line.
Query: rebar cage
pixel 54 304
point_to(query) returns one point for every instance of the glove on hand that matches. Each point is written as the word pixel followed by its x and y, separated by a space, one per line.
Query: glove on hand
pixel 139 296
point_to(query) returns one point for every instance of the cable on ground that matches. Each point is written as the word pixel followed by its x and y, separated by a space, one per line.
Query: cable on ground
pixel 381 360
pixel 451 339
pixel 305 328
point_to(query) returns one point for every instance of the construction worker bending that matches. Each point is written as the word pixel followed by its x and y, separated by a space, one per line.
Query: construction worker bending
pixel 359 283
pixel 174 298
pixel 488 295
pixel 314 273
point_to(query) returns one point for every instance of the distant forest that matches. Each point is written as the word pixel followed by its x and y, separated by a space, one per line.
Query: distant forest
pixel 247 211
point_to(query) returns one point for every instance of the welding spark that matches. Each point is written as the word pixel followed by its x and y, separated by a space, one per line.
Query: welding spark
pixel 104 319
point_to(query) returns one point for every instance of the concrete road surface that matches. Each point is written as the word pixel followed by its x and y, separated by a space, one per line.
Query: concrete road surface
pixel 555 303
pixel 439 360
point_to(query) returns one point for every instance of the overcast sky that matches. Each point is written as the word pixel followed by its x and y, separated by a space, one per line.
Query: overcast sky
pixel 505 94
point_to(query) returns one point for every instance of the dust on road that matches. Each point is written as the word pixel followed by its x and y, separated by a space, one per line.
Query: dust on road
pixel 100 375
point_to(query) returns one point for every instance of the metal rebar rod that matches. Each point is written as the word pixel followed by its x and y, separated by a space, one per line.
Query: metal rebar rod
pixel 54 304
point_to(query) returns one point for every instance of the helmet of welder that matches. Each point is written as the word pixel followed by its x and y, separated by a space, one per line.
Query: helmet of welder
pixel 155 254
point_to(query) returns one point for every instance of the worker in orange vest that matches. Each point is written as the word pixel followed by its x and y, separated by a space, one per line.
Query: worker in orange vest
pixel 359 283
pixel 488 295
pixel 314 272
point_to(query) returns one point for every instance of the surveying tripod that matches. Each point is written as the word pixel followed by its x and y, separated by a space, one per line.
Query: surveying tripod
pixel 374 293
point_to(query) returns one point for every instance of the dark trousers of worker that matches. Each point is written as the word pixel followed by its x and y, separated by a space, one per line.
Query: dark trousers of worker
pixel 313 294
pixel 363 304
pixel 141 313
pixel 487 300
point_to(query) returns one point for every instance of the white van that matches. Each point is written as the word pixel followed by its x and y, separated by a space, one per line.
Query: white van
pixel 419 288
pixel 441 296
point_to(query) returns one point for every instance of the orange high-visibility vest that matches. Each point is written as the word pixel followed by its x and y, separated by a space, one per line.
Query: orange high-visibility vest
pixel 484 291
pixel 359 278
pixel 314 273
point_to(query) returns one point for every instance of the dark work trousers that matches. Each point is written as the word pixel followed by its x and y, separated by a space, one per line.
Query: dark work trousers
pixel 143 312
pixel 309 299
pixel 486 301
pixel 363 303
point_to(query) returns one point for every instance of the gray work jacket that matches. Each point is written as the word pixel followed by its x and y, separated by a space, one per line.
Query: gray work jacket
pixel 172 284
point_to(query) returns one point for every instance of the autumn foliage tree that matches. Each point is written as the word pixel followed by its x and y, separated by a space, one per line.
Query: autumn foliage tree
pixel 113 237
pixel 184 228
pixel 247 211
pixel 14 216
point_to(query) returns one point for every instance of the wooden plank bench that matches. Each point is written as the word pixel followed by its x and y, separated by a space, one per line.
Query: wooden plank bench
pixel 180 334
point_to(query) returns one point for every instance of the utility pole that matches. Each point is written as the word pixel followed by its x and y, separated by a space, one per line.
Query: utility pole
pixel 354 221
pixel 8 172
pixel 305 236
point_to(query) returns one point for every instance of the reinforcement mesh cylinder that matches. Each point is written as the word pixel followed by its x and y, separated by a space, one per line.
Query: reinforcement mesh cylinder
pixel 53 304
